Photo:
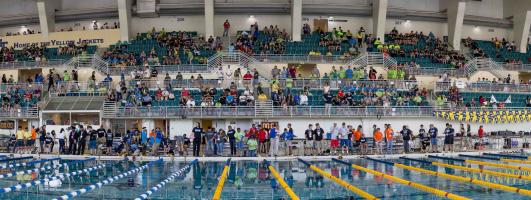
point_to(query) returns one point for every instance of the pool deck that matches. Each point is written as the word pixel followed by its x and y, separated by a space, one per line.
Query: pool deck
pixel 279 158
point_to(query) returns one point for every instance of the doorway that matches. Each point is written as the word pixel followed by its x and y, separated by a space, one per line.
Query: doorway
pixel 321 24
pixel 206 123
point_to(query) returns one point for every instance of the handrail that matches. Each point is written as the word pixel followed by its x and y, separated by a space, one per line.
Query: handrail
pixel 281 181
pixel 290 111
pixel 485 87
pixel 456 178
pixel 221 182
pixel 343 183
pixel 161 69
pixel 404 182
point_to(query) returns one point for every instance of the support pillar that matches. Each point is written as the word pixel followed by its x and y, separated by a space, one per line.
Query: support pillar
pixel 46 17
pixel 124 15
pixel 296 20
pixel 521 26
pixel 456 15
pixel 209 18
pixel 379 15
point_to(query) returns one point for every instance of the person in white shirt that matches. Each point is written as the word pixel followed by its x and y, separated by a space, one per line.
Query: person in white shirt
pixel 190 103
pixel 303 99
pixel 343 135
pixel 61 138
pixel 228 76
pixel 334 142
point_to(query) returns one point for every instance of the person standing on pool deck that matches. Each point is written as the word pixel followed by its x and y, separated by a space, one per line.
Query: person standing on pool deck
pixel 144 136
pixel 448 138
pixel 406 136
pixel 239 141
pixel 378 136
pixel 274 140
pixel 232 140
pixel 308 134
pixel 433 137
pixel 197 131
pixel 289 138
pixel 334 142
pixel 318 139
pixel 389 138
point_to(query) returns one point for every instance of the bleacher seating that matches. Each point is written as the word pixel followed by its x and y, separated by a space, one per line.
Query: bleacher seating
pixel 502 54
pixel 145 43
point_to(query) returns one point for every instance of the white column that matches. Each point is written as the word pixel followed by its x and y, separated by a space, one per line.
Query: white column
pixel 456 15
pixel 124 15
pixel 209 18
pixel 46 17
pixel 379 15
pixel 296 20
pixel 521 26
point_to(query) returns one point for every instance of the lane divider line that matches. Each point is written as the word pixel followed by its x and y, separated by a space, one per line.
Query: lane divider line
pixel 339 181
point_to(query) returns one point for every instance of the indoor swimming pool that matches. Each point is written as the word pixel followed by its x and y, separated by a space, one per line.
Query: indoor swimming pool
pixel 92 179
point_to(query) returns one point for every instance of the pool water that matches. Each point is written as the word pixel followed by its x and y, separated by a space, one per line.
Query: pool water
pixel 252 180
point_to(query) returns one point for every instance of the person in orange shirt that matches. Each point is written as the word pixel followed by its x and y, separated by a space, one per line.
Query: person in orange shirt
pixel 356 136
pixel 31 142
pixel 389 138
pixel 378 136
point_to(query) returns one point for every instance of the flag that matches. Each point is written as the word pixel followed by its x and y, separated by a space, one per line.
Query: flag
pixel 493 99
pixel 508 100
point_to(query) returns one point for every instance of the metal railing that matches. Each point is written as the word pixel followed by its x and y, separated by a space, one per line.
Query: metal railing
pixel 287 58
pixel 6 87
pixel 486 87
pixel 193 83
pixel 246 111
pixel 87 88
pixel 344 83
pixel 32 64
pixel 161 69
pixel 436 71
pixel 25 112
pixel 516 67
pixel 290 111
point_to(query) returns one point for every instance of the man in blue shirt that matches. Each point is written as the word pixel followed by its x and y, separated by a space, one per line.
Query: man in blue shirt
pixel 433 138
pixel 144 136
pixel 197 132
pixel 274 140
pixel 349 73
pixel 158 140
pixel 288 136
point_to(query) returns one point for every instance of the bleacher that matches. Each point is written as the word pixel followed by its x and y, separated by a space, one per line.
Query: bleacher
pixel 504 54
pixel 517 99
pixel 420 46
pixel 146 44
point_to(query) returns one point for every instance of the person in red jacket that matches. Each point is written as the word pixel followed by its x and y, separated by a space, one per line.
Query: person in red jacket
pixel 262 136
pixel 481 134
pixel 226 28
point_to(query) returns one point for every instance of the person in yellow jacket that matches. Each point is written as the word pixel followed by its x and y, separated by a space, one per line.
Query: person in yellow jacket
pixel 20 140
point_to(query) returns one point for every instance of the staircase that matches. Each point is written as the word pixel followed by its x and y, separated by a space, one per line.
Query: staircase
pixel 486 64
pixel 263 109
pixel 373 58
pixel 90 60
